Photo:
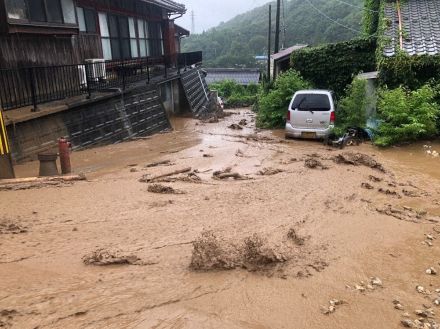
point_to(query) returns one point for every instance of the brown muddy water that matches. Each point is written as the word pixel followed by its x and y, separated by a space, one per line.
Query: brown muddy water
pixel 298 240
pixel 415 158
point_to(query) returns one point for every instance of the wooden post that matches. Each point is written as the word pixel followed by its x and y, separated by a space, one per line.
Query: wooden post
pixel 269 43
pixel 6 168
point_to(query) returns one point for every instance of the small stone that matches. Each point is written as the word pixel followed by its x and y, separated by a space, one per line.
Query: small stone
pixel 336 302
pixel 437 302
pixel 396 301
pixel 398 307
pixel 428 243
pixel 421 313
pixel 370 287
pixel 418 323
pixel 437 290
pixel 429 237
pixel 407 323
pixel 360 288
pixel 431 271
pixel 420 289
pixel 376 282
pixel 406 315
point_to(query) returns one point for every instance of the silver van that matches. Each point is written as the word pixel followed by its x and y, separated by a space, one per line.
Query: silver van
pixel 311 114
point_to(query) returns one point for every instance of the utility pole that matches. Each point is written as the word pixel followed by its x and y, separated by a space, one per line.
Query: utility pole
pixel 277 28
pixel 269 43
pixel 193 22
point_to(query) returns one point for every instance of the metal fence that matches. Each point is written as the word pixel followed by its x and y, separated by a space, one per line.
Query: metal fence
pixel 30 86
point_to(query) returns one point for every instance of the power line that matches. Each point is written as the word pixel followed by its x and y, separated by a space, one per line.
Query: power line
pixel 331 19
pixel 363 8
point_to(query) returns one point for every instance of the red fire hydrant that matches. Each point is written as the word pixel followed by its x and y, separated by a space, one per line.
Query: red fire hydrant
pixel 64 149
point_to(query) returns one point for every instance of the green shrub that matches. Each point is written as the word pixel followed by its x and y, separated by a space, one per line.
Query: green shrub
pixel 406 115
pixel 272 104
pixel 352 109
pixel 235 95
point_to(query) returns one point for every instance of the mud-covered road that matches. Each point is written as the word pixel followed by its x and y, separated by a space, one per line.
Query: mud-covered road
pixel 256 232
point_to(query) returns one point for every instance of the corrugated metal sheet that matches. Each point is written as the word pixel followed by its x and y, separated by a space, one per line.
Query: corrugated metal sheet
pixel 287 52
pixel 421 25
pixel 241 76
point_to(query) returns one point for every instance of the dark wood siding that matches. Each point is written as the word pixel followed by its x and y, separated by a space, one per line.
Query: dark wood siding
pixel 18 50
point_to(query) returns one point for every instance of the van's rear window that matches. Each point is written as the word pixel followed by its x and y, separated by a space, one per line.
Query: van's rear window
pixel 311 102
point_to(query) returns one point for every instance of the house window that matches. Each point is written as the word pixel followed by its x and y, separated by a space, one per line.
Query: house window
pixel 144 35
pixel 86 20
pixel 133 40
pixel 17 9
pixel 42 11
pixel 105 36
pixel 156 39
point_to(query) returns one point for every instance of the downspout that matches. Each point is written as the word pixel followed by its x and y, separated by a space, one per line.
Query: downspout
pixel 399 15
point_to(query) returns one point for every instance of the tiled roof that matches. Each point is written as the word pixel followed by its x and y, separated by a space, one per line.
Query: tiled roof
pixel 169 5
pixel 421 25
pixel 240 76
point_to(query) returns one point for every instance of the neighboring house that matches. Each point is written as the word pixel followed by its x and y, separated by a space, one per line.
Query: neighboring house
pixel 97 71
pixel 280 62
pixel 242 77
pixel 57 32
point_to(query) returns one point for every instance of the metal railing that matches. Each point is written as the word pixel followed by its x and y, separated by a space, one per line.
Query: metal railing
pixel 31 86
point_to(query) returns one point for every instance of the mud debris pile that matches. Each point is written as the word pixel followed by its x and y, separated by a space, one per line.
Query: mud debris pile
pixel 252 253
pixel 103 257
pixel 8 227
pixel 269 171
pixel 162 189
pixel 228 173
pixel 358 159
pixel 314 163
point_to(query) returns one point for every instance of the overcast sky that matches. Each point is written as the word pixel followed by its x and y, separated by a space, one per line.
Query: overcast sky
pixel 209 13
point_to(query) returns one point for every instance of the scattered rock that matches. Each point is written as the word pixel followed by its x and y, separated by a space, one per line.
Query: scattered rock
pixel 332 306
pixel 422 314
pixel 376 282
pixel 235 126
pixel 389 192
pixel 431 271
pixel 375 179
pixel 407 323
pixel 420 289
pixel 102 257
pixel 161 189
pixel 206 155
pixel 367 186
pixel 399 307
pixel 132 170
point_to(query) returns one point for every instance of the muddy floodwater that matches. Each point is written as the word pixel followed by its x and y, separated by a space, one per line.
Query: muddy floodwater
pixel 221 225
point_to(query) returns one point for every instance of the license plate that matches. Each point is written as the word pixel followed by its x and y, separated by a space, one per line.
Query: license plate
pixel 308 135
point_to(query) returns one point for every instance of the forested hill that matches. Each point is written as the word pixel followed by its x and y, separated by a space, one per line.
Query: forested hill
pixel 239 40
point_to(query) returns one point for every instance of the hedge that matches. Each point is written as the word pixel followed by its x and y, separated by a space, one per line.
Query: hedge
pixel 333 66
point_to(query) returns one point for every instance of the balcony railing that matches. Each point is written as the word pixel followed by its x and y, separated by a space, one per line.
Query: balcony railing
pixel 31 86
